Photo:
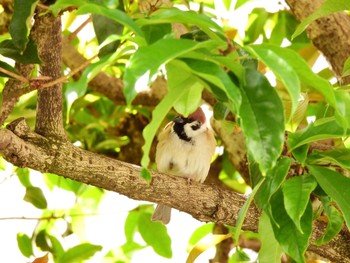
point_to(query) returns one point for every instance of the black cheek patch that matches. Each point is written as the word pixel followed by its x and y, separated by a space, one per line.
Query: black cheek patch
pixel 195 127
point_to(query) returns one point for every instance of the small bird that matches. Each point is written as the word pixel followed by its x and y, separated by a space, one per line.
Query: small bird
pixel 185 148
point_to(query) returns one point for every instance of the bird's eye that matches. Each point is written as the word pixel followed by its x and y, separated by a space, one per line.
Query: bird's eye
pixel 196 126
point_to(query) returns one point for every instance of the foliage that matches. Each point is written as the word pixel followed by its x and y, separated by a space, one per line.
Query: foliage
pixel 198 54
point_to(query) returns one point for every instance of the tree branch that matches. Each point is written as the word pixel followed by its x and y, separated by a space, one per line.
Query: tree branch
pixel 208 203
pixel 47 34
pixel 325 32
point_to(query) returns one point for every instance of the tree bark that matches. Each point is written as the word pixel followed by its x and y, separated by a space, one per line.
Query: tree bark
pixel 47 34
pixel 329 34
pixel 208 203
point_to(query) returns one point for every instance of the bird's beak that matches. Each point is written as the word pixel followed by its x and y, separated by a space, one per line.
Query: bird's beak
pixel 178 119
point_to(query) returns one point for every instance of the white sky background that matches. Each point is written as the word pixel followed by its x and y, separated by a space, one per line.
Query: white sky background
pixel 108 228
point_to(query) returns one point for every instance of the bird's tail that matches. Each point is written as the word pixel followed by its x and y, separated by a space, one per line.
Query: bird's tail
pixel 162 213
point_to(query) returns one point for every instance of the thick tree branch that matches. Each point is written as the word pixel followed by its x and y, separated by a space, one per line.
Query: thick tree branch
pixel 24 148
pixel 329 34
pixel 47 34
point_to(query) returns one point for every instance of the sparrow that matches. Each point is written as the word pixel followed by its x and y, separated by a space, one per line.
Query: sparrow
pixel 185 148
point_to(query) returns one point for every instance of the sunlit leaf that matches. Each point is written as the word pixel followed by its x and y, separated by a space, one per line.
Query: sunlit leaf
pixel 25 244
pixel 23 175
pixel 283 69
pixel 79 253
pixel 21 22
pixel 327 8
pixel 296 192
pixel 155 235
pixel 336 186
pixel 175 15
pixel 243 211
pixel 339 157
pixel 262 120
pixel 199 233
pixel 270 251
pixel 145 62
pixel 35 196
pixel 346 68
pixel 204 244
pixel 319 130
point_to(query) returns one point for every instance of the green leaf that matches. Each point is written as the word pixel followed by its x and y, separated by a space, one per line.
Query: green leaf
pixel 339 157
pixel 199 233
pixel 153 33
pixel 21 22
pixel 346 68
pixel 145 62
pixel 284 71
pixel 23 175
pixel 94 8
pixel 217 76
pixel 105 27
pixel 273 182
pixel 328 7
pixel 262 120
pixel 155 234
pixel 296 192
pixel 301 153
pixel 334 225
pixel 190 99
pixel 35 196
pixel 270 251
pixel 291 240
pixel 8 68
pixel 130 225
pixel 28 56
pixel 174 15
pixel 319 130
pixel 243 211
pixel 25 244
pixel 79 253
pixel 145 174
pixel 336 186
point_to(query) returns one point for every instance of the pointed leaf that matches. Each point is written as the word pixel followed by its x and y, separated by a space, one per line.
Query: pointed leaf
pixel 339 157
pixel 336 186
pixel 334 225
pixel 271 56
pixel 292 241
pixel 35 196
pixel 328 7
pixel 203 245
pixel 7 67
pixel 296 192
pixel 243 211
pixel 145 62
pixel 319 130
pixel 79 253
pixel 21 22
pixel 273 182
pixel 28 56
pixel 25 244
pixel 270 251
pixel 262 120
pixel 200 233
pixel 175 15
pixel 346 68
pixel 155 235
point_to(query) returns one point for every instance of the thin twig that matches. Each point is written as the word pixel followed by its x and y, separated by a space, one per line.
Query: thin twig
pixel 14 75
pixel 70 74
pixel 76 31
pixel 53 217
